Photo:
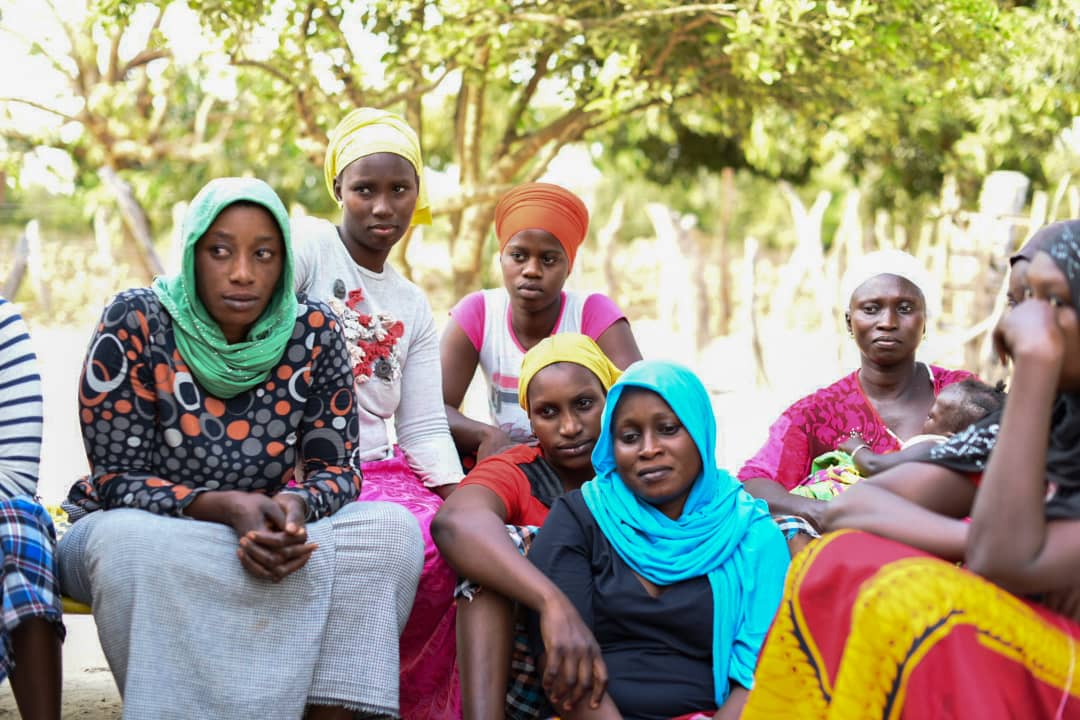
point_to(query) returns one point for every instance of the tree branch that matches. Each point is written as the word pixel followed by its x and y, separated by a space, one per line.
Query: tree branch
pixel 573 25
pixel 415 92
pixel 31 47
pixel 469 197
pixel 539 71
pixel 625 112
pixel 86 74
pixel 571 132
pixel 264 66
pixel 112 72
pixel 41 106
pixel 531 144
pixel 145 57
pixel 656 66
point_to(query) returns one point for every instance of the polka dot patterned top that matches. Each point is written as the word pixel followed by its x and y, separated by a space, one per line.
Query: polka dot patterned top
pixel 155 438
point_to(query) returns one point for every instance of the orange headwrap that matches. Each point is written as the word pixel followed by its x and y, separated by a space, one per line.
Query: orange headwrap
pixel 543 206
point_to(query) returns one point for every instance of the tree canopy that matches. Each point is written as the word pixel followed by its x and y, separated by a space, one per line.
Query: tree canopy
pixel 161 96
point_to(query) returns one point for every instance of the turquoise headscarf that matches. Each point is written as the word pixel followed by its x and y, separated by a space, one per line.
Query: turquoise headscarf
pixel 225 369
pixel 724 533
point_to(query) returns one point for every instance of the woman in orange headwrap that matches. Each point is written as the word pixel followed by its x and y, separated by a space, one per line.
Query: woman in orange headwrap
pixel 540 228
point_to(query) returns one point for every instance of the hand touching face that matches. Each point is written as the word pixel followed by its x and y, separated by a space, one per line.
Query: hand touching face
pixel 1044 327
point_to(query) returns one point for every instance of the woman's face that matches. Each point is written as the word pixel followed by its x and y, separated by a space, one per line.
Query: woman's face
pixel 534 268
pixel 378 195
pixel 887 317
pixel 238 262
pixel 1017 278
pixel 1046 281
pixel 654 453
pixel 566 404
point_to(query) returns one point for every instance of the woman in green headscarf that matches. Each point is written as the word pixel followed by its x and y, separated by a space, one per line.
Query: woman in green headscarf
pixel 212 564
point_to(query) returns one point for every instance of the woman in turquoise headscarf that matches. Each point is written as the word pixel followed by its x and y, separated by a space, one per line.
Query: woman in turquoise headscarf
pixel 677 570
pixel 229 571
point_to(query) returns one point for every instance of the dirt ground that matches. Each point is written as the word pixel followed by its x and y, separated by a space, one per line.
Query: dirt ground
pixel 89 690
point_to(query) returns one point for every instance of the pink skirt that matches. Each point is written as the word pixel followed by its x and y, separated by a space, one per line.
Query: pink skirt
pixel 429 678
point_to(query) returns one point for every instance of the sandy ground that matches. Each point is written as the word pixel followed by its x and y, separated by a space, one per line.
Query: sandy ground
pixel 89 690
pixel 743 414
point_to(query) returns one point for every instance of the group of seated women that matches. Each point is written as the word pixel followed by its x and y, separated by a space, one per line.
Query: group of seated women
pixel 255 541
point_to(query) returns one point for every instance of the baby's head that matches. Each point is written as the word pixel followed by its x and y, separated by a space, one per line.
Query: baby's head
pixel 961 404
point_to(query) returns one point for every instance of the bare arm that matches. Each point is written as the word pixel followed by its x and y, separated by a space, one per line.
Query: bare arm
pixel 917 504
pixel 868 462
pixel 470 530
pixel 1010 541
pixel 619 345
pixel 733 706
pixel 459 362
pixel 781 502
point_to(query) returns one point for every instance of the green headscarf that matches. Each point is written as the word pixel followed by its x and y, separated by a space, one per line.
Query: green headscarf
pixel 225 369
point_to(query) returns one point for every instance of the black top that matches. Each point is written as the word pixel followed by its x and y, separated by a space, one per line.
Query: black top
pixel 658 651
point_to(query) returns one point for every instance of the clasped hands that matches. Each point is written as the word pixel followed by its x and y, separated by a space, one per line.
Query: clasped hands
pixel 272 534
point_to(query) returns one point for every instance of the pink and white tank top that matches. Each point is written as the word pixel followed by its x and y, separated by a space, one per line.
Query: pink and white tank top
pixel 485 318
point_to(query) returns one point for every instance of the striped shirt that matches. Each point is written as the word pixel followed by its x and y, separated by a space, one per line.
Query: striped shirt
pixel 20 407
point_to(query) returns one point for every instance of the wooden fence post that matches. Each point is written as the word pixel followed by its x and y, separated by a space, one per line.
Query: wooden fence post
pixel 18 270
pixel 37 270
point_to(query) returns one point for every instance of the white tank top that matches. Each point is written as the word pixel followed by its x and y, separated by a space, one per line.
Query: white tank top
pixel 501 356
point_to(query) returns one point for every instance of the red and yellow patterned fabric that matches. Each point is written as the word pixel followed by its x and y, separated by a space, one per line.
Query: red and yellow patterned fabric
pixel 155 438
pixel 869 628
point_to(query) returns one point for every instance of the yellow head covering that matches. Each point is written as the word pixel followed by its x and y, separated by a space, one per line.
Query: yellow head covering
pixel 367 131
pixel 565 347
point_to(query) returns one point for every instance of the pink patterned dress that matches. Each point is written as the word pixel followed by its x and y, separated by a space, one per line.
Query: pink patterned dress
pixel 817 423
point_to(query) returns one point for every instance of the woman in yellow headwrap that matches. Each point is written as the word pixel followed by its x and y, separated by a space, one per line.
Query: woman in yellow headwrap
pixel 564 380
pixel 374 170
pixel 540 227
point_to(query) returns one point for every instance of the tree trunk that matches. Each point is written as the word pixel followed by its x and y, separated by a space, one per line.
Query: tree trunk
pixel 681 293
pixel 103 259
pixel 691 245
pixel 749 309
pixel 846 248
pixel 135 219
pixel 605 247
pixel 722 254
pixel 808 258
pixel 995 232
pixel 467 257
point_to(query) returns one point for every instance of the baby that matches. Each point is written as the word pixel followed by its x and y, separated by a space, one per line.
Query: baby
pixel 957 406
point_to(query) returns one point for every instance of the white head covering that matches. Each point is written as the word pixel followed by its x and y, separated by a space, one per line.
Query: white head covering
pixel 892 262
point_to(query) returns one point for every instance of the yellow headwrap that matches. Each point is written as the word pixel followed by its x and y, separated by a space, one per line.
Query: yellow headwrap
pixel 565 347
pixel 367 131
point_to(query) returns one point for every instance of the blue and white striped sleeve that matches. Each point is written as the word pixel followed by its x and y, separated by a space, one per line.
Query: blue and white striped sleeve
pixel 20 407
